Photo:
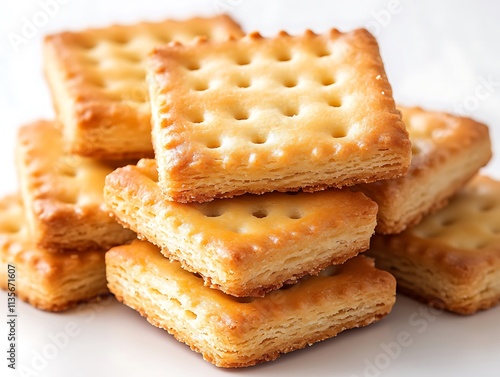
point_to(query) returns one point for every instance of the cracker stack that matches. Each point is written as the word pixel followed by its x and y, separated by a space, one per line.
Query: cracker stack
pixel 248 276
pixel 451 260
pixel 49 280
pixel 438 226
pixel 57 229
pixel 275 158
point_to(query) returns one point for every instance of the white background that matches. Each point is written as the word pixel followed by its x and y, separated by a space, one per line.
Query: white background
pixel 437 55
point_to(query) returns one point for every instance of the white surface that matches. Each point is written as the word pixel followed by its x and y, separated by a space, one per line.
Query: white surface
pixel 437 55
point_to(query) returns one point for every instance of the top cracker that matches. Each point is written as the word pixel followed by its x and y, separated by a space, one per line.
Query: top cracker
pixel 97 80
pixel 256 115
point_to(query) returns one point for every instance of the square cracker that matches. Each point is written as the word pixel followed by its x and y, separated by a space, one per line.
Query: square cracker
pixel 63 193
pixel 97 81
pixel 46 280
pixel 231 332
pixel 247 245
pixel 447 152
pixel 451 259
pixel 256 115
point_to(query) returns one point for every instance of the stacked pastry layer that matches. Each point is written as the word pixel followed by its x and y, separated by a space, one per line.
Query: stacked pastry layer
pixel 447 151
pixel 97 81
pixel 238 332
pixel 278 114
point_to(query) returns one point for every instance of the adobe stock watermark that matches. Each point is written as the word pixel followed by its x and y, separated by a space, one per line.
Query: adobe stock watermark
pixel 61 340
pixel 382 18
pixel 222 6
pixel 418 323
pixel 484 89
pixel 11 317
pixel 30 26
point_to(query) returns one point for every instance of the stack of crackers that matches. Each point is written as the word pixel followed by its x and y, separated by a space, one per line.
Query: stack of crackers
pixel 275 161
pixel 58 228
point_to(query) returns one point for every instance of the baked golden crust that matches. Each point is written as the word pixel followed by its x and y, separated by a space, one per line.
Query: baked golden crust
pixel 452 258
pixel 65 208
pixel 48 281
pixel 447 152
pixel 231 332
pixel 247 245
pixel 97 82
pixel 246 96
